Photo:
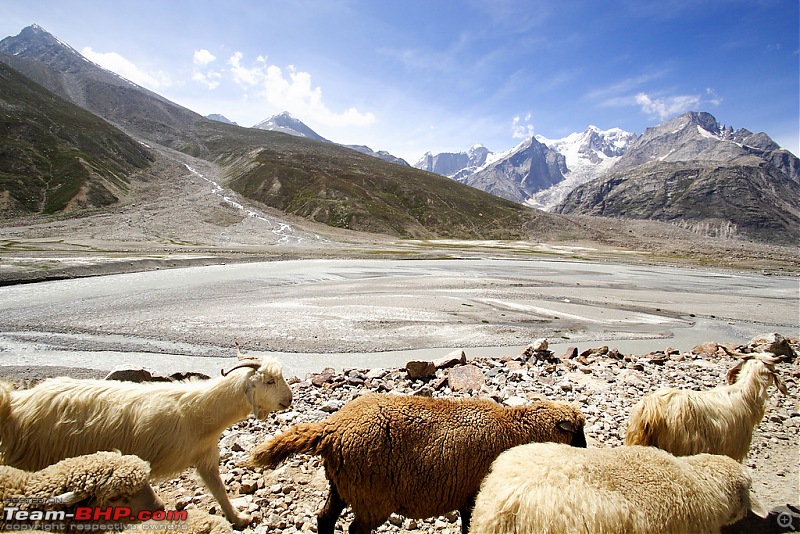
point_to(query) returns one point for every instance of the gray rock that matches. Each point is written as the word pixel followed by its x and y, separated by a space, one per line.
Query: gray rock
pixel 331 406
pixel 457 357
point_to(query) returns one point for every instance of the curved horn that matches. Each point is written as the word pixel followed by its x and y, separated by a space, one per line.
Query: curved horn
pixel 735 353
pixel 239 351
pixel 769 358
pixel 252 364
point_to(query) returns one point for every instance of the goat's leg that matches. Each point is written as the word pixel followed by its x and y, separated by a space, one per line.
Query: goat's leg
pixel 466 513
pixel 326 518
pixel 210 475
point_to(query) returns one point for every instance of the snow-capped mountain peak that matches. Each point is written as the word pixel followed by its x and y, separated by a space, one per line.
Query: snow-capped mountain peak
pixel 455 164
pixel 588 154
pixel 285 122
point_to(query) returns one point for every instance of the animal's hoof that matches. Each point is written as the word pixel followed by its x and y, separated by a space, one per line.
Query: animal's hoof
pixel 242 520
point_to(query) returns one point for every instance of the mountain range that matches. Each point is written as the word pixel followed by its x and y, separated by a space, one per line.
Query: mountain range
pixel 690 171
pixel 696 173
pixel 323 182
pixel 537 172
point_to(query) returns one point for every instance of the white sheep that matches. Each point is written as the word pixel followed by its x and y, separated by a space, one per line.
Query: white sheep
pixel 552 488
pixel 417 456
pixel 171 425
pixel 102 479
pixel 717 421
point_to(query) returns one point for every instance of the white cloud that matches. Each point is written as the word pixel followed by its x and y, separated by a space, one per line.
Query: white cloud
pixel 247 77
pixel 292 91
pixel 521 127
pixel 284 90
pixel 668 107
pixel 712 97
pixel 611 94
pixel 125 68
pixel 203 57
pixel 210 79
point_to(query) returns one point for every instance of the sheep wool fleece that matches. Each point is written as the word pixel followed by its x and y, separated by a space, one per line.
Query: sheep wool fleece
pixel 550 488
pixel 417 456
pixel 105 475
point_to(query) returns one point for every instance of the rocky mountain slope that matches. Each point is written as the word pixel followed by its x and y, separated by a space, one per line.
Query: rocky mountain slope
pixel 698 137
pixel 323 182
pixel 55 156
pixel 530 167
pixel 62 70
pixel 455 164
pixel 340 187
pixel 695 173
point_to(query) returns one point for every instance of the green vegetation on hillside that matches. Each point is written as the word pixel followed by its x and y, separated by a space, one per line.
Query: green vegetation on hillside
pixel 340 187
pixel 55 156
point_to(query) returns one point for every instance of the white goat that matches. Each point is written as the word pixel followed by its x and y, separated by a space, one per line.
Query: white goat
pixel 171 425
pixel 553 488
pixel 718 421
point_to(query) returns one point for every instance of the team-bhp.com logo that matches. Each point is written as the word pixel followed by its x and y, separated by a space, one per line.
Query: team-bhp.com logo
pixel 85 518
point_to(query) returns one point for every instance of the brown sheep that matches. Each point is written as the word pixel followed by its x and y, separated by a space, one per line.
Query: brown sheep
pixel 416 456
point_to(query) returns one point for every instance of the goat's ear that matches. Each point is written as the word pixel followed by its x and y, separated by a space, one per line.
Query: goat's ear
pixel 567 426
pixel 779 384
pixel 757 508
pixel 734 372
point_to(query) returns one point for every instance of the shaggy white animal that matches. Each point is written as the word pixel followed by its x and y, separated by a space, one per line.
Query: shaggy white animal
pixel 553 488
pixel 171 425
pixel 102 479
pixel 718 421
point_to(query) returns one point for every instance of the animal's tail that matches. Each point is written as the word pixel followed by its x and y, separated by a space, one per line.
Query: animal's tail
pixel 644 422
pixel 304 438
pixel 5 403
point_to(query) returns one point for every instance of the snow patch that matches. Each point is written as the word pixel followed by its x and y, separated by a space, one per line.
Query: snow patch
pixel 283 230
pixel 705 133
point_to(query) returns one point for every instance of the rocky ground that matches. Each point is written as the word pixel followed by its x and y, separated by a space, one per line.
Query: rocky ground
pixel 604 384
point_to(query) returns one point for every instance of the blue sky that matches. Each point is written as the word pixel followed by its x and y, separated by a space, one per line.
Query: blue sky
pixel 412 76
